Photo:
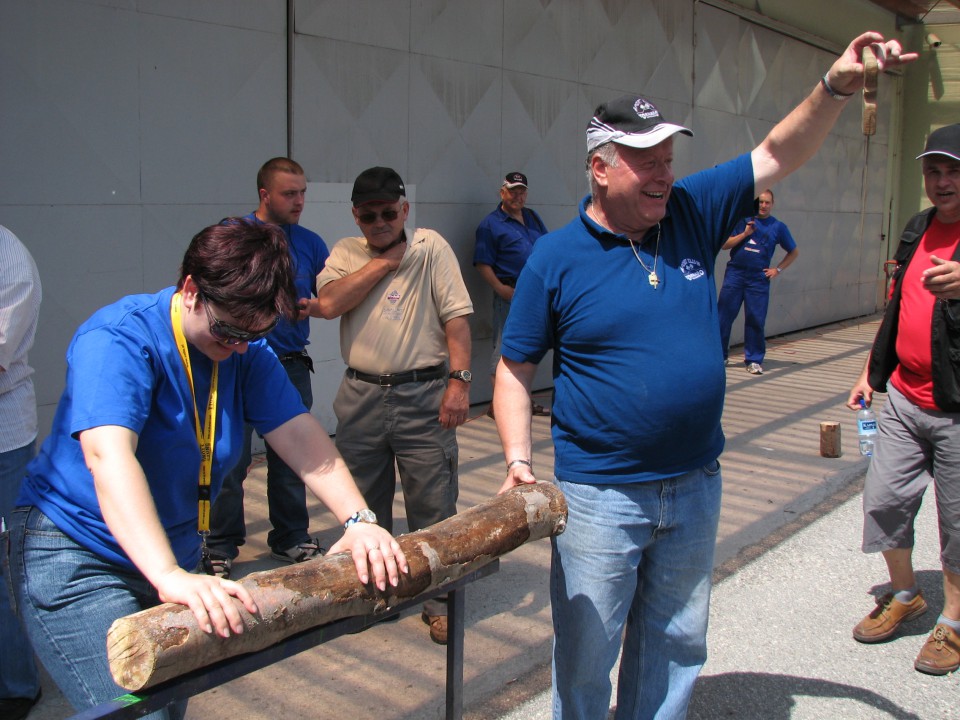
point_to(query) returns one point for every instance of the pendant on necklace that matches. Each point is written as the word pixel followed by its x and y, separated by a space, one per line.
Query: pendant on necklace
pixel 653 280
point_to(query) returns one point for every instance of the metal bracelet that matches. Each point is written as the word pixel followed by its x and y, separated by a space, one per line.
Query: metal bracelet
pixel 519 462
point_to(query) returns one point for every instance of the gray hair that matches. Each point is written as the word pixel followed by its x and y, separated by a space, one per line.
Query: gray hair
pixel 606 152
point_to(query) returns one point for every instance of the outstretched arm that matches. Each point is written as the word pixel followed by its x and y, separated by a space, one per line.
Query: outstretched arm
pixel 797 137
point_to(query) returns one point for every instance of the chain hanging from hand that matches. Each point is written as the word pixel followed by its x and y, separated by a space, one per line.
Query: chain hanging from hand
pixel 652 277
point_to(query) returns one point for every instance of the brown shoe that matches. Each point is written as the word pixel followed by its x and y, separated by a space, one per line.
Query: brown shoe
pixel 438 627
pixel 886 617
pixel 941 653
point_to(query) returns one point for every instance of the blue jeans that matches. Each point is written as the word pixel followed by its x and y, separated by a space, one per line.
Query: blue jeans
pixel 68 597
pixel 286 493
pixel 18 672
pixel 639 556
pixel 752 290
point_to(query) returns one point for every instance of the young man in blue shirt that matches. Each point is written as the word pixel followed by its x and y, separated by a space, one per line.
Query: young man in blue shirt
pixel 282 186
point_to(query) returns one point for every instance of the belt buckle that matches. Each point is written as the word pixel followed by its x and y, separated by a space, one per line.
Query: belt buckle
pixel 383 383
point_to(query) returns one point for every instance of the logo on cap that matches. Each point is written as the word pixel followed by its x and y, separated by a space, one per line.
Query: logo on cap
pixel 645 109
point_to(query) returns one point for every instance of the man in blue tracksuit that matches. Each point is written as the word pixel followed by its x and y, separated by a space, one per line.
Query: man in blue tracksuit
pixel 748 277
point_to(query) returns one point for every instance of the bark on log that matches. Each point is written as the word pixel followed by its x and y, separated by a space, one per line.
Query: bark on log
pixel 155 645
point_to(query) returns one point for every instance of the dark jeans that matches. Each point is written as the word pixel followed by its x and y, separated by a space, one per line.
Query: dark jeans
pixel 286 493
pixel 18 672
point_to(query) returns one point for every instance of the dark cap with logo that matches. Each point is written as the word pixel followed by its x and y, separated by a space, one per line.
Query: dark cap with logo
pixel 944 141
pixel 632 121
pixel 515 179
pixel 377 184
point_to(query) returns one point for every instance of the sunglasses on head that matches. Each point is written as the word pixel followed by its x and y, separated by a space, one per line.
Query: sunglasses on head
pixel 369 217
pixel 230 335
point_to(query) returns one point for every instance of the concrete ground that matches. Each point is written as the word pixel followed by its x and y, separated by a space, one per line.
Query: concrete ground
pixel 791 582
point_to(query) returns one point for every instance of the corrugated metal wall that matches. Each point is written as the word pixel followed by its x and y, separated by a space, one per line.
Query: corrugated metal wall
pixel 129 125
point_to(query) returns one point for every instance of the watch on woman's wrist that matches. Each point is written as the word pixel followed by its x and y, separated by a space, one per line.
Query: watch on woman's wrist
pixel 361 516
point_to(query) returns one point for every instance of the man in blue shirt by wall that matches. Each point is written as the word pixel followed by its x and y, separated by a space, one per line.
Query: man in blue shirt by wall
pixel 505 240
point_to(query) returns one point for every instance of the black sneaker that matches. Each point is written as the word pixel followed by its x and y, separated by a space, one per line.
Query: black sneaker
pixel 300 553
pixel 17 708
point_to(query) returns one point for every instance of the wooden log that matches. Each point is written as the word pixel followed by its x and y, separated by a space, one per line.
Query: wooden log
pixel 155 645
pixel 830 439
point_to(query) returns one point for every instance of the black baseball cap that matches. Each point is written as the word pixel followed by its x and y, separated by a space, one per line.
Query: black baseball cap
pixel 632 121
pixel 515 179
pixel 377 184
pixel 944 141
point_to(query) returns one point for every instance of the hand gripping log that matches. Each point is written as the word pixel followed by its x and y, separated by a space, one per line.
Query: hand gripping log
pixel 155 645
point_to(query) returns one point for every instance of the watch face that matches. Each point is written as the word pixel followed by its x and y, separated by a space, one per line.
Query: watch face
pixel 367 516
pixel 464 375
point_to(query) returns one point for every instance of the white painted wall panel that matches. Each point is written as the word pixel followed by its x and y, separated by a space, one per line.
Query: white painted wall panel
pixel 212 109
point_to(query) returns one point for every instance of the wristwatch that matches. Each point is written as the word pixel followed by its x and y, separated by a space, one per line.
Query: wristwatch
pixel 462 375
pixel 361 516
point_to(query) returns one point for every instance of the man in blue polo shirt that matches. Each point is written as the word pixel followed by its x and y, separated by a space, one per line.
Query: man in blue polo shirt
pixel 505 240
pixel 748 277
pixel 282 186
pixel 625 297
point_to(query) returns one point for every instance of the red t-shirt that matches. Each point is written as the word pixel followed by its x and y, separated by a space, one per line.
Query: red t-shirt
pixel 913 376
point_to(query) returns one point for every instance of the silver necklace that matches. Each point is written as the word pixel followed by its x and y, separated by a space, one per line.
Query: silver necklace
pixel 651 274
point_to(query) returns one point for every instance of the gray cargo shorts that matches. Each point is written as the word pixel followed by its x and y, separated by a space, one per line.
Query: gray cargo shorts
pixel 914 447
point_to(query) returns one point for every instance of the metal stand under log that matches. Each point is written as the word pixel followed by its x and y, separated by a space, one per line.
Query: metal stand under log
pixel 136 705
pixel 160 654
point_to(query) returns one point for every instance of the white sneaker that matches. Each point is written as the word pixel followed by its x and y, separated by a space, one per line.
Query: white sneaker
pixel 754 369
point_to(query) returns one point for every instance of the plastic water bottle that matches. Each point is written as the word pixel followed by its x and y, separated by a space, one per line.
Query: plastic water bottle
pixel 866 428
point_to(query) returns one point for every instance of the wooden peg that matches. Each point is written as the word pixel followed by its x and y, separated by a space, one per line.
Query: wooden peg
pixel 830 439
pixel 870 71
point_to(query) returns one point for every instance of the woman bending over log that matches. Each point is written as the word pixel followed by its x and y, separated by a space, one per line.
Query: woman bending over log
pixel 158 389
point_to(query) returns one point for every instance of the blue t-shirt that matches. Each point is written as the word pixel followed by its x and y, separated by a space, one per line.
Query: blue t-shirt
pixel 123 368
pixel 504 244
pixel 638 373
pixel 756 252
pixel 309 254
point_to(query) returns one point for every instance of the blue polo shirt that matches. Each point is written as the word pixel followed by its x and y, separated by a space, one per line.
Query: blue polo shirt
pixel 504 244
pixel 638 373
pixel 309 254
pixel 123 368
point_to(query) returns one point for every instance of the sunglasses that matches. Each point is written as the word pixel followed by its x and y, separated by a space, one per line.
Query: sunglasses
pixel 369 217
pixel 230 335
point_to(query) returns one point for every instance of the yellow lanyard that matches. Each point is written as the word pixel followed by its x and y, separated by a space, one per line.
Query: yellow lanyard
pixel 205 434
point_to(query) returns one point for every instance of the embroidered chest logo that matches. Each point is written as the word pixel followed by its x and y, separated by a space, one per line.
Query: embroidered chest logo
pixel 393 297
pixel 692 269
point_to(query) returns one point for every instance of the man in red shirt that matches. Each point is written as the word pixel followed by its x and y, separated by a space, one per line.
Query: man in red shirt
pixel 916 351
